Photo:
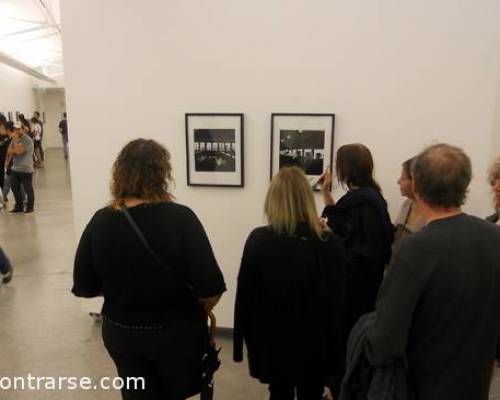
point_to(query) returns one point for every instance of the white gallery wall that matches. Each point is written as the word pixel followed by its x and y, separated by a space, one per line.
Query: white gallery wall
pixel 495 135
pixel 16 92
pixel 53 103
pixel 398 75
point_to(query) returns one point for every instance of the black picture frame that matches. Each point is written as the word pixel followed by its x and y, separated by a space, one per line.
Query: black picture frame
pixel 206 178
pixel 324 121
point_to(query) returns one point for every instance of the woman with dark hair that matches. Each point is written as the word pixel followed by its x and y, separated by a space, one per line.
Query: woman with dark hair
pixel 361 218
pixel 157 289
pixel 290 298
pixel 494 180
pixel 410 219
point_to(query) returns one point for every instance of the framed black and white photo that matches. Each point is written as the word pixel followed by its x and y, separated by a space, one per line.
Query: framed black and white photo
pixel 303 140
pixel 214 149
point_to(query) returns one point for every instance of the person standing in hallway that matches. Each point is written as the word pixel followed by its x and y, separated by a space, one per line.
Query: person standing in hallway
pixel 290 296
pixel 156 296
pixel 4 145
pixel 37 120
pixel 63 130
pixel 21 153
pixel 494 180
pixel 6 271
pixel 439 304
pixel 36 131
pixel 361 219
pixel 409 219
pixel 7 166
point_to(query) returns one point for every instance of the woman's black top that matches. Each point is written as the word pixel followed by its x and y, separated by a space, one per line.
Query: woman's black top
pixel 290 306
pixel 361 218
pixel 4 146
pixel 113 262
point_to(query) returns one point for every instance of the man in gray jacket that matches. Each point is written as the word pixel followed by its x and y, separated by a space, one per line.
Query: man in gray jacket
pixel 21 153
pixel 439 304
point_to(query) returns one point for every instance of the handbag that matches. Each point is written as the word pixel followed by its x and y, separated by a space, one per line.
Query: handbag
pixel 203 381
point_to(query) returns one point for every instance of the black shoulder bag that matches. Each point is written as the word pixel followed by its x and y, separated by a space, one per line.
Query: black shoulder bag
pixel 203 381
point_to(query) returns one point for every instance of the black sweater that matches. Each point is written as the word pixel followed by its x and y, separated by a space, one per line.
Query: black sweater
pixel 290 306
pixel 111 261
pixel 360 217
pixel 440 306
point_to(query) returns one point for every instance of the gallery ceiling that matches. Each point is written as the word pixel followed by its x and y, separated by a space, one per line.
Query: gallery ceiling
pixel 30 33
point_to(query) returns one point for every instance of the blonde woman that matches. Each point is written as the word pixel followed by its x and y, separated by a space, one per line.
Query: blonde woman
pixel 290 296
pixel 494 179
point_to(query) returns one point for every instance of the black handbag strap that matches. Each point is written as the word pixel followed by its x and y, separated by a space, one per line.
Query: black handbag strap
pixel 145 243
pixel 153 254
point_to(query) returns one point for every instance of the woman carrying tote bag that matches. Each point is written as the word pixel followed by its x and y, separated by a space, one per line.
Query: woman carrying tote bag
pixel 154 317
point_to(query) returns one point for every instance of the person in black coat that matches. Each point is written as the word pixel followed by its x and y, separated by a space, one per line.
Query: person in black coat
pixel 4 145
pixel 155 305
pixel 290 296
pixel 361 218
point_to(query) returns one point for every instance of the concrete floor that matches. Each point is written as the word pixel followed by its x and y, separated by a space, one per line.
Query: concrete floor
pixel 43 330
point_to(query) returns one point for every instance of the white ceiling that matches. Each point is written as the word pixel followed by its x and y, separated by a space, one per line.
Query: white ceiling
pixel 30 32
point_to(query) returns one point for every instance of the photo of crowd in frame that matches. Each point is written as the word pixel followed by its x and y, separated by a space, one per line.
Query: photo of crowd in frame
pixel 215 149
pixel 302 140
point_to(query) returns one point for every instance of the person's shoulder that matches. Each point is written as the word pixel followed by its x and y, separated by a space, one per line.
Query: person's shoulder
pixel 27 139
pixel 483 225
pixel 261 235
pixel 261 232
pixel 103 213
pixel 178 210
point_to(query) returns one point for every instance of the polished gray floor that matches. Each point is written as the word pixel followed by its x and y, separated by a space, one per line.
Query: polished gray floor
pixel 43 330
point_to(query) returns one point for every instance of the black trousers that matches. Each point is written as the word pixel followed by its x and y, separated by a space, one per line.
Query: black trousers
pixel 38 146
pixel 309 390
pixel 167 359
pixel 361 297
pixel 24 180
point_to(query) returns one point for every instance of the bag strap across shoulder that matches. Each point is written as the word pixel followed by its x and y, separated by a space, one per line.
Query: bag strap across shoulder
pixel 141 237
pixel 145 243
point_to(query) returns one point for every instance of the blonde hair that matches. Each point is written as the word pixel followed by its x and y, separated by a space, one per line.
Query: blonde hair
pixel 494 172
pixel 290 201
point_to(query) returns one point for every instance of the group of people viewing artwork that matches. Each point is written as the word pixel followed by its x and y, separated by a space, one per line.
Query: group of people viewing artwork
pixel 342 299
pixel 21 151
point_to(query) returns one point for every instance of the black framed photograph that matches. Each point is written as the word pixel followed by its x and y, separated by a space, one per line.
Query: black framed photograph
pixel 9 116
pixel 214 149
pixel 302 140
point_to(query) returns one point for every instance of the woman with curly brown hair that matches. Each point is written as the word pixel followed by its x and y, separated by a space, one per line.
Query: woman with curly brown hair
pixel 155 299
pixel 494 180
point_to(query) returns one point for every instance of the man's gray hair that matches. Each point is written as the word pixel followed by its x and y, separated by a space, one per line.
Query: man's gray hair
pixel 442 174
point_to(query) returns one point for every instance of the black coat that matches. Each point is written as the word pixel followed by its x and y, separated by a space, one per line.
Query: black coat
pixel 290 306
pixel 361 219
